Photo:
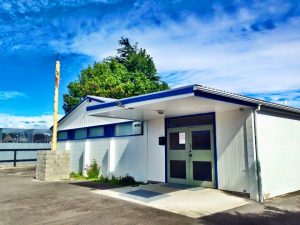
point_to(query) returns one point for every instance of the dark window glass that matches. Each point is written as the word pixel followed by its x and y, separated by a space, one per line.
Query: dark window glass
pixel 177 169
pixel 201 140
pixel 202 171
pixel 177 141
pixel 96 132
pixel 80 134
pixel 191 121
pixel 62 135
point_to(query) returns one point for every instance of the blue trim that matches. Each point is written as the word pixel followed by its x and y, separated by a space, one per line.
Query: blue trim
pixel 223 98
pixel 109 132
pixel 141 98
pixel 166 152
pixel 215 143
pixel 215 151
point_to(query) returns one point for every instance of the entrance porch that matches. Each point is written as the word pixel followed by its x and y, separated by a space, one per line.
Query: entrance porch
pixel 189 139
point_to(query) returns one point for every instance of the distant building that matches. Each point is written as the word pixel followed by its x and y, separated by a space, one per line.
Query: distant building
pixel 12 135
pixel 19 146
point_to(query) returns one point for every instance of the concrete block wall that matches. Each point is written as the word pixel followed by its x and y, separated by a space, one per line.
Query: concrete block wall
pixel 52 165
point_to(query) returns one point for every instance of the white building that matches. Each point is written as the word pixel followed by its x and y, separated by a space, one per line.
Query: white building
pixel 190 135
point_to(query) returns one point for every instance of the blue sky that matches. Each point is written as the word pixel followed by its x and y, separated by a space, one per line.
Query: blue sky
pixel 249 47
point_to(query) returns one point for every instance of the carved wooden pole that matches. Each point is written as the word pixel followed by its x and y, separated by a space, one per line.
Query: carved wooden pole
pixel 55 113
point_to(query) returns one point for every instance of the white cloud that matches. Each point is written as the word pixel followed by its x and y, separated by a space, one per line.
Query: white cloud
pixel 214 53
pixel 12 121
pixel 7 95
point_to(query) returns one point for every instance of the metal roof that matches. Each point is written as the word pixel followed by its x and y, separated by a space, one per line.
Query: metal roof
pixel 201 91
pixel 246 98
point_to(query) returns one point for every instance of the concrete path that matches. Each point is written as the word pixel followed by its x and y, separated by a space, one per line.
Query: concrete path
pixel 185 200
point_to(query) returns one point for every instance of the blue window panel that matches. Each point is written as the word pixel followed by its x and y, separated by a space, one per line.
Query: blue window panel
pixel 109 131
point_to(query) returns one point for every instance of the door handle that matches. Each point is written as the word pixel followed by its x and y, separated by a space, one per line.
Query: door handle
pixel 190 155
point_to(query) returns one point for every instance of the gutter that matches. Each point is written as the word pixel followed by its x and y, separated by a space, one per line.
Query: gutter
pixel 257 161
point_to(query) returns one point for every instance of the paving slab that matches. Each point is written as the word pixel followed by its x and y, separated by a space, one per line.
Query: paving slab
pixel 194 202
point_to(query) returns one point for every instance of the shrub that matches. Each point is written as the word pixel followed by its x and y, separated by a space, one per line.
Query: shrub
pixel 123 180
pixel 93 170
pixel 127 180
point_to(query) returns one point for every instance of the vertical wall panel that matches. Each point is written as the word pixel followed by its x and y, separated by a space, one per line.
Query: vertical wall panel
pixel 156 152
pixel 279 154
pixel 232 150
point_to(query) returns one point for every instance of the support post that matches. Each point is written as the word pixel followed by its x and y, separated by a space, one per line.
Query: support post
pixel 55 113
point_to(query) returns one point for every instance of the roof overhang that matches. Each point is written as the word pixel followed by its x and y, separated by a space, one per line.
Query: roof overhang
pixel 170 103
pixel 194 99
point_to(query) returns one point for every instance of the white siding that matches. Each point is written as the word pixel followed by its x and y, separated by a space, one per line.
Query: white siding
pixel 156 152
pixel 97 149
pixel 77 153
pixel 128 155
pixel 232 157
pixel 279 154
pixel 116 156
pixel 79 118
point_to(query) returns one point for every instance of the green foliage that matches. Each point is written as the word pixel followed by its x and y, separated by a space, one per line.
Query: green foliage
pixel 93 170
pixel 132 72
pixel 122 180
pixel 77 176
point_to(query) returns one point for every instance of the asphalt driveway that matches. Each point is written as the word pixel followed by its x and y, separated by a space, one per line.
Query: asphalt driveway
pixel 25 201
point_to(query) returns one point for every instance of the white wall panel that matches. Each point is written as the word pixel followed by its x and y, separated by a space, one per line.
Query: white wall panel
pixel 128 155
pixel 98 149
pixel 156 152
pixel 232 151
pixel 279 154
pixel 76 158
pixel 79 118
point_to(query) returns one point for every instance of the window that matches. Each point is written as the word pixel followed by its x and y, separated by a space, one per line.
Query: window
pixel 123 129
pixel 96 132
pixel 80 134
pixel 62 135
pixel 178 169
pixel 201 140
pixel 202 171
pixel 191 121
pixel 131 128
pixel 177 141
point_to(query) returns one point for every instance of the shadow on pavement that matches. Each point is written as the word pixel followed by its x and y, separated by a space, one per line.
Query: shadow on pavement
pixel 95 185
pixel 270 216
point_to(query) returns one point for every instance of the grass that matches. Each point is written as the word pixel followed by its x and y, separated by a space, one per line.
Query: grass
pixel 126 180
pixel 79 176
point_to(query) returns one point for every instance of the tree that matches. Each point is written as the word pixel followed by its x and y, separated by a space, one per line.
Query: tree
pixel 135 59
pixel 132 72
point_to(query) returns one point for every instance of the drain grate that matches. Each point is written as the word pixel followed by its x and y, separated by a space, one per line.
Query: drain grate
pixel 144 193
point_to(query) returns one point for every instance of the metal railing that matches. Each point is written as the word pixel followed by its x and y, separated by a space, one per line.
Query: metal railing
pixel 13 158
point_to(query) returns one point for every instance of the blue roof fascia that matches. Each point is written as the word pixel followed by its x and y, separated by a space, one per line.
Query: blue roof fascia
pixel 147 97
pixel 94 99
pixel 224 98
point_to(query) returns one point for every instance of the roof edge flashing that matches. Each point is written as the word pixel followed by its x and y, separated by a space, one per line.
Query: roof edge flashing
pixel 147 97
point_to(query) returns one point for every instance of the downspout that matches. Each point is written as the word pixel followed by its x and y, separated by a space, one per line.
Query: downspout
pixel 257 161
